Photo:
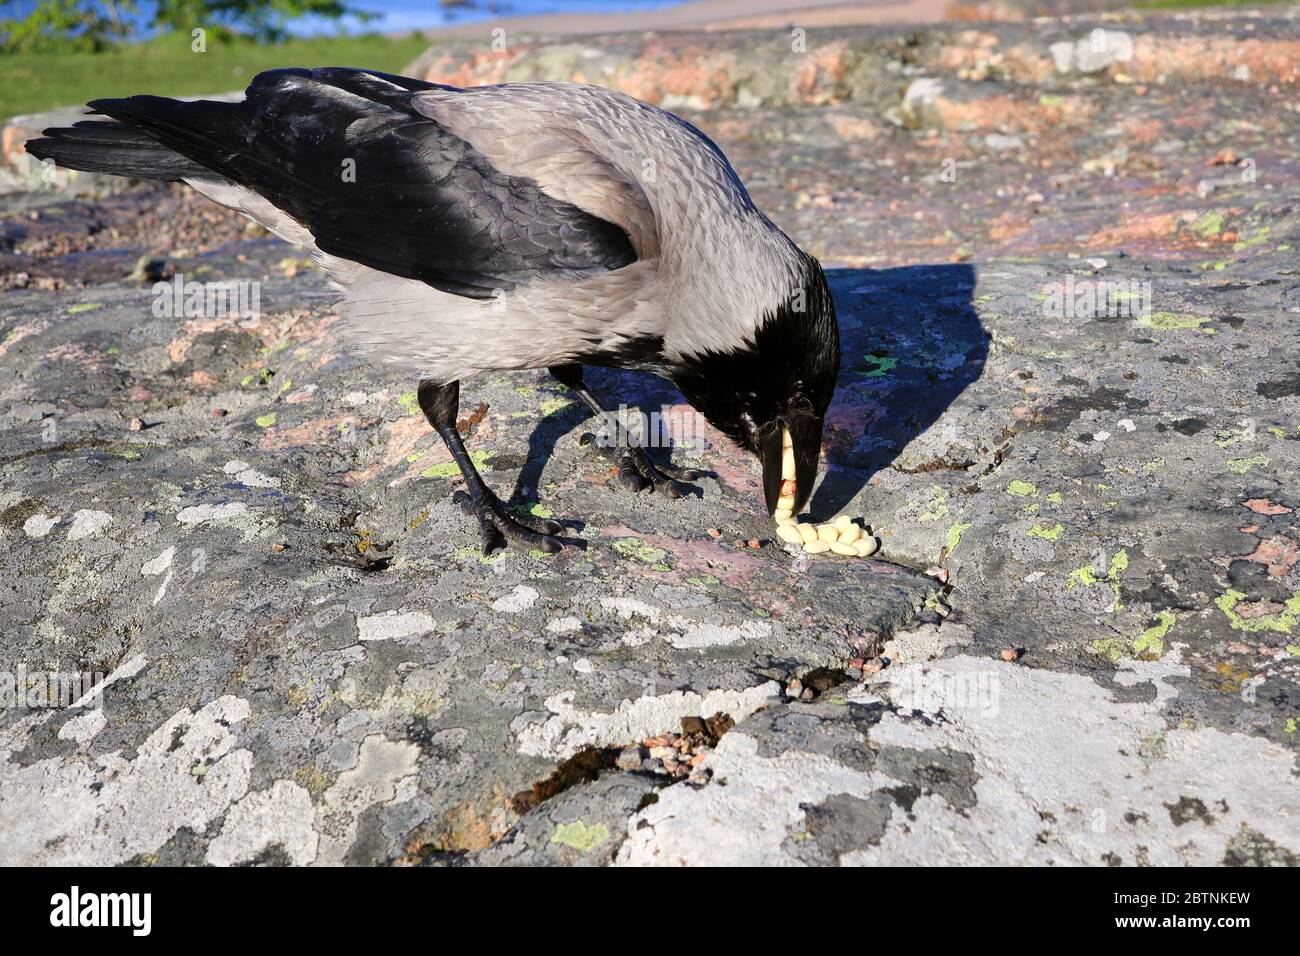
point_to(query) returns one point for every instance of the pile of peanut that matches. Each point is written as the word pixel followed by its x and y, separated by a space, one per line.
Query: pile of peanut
pixel 842 536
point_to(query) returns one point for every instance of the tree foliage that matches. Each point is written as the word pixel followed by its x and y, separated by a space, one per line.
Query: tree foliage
pixel 88 25
pixel 59 25
pixel 261 19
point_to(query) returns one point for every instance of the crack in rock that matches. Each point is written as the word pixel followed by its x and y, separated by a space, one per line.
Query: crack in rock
pixel 569 730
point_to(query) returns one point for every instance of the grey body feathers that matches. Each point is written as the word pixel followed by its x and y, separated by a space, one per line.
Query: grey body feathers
pixel 708 267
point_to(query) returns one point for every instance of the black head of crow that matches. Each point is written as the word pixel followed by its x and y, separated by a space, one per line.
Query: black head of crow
pixel 782 382
pixel 519 226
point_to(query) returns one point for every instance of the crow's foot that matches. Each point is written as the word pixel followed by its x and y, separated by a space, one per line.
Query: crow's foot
pixel 637 471
pixel 500 528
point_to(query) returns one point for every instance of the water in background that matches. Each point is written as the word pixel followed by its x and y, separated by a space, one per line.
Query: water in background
pixel 397 15
pixel 414 14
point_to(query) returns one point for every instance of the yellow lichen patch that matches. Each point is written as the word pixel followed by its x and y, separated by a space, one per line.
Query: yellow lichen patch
pixel 1239 466
pixel 582 837
pixel 954 535
pixel 937 507
pixel 1111 648
pixel 1280 622
pixel 1150 643
pixel 553 405
pixel 1045 532
pixel 1087 576
pixel 1167 321
pixel 409 403
pixel 449 469
pixel 1233 677
pixel 638 550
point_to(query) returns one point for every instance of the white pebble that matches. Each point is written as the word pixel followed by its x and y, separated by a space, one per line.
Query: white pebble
pixel 807 532
pixel 845 549
pixel 843 522
pixel 789 532
pixel 866 547
pixel 816 547
pixel 850 534
pixel 827 533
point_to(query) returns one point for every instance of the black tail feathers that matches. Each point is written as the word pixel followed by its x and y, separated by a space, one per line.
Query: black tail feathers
pixel 107 146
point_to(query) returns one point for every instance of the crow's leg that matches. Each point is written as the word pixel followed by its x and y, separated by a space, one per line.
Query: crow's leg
pixel 636 471
pixel 439 404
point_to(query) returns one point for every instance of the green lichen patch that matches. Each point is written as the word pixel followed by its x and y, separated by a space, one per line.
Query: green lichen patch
pixel 409 403
pixel 1239 466
pixel 638 550
pixel 937 507
pixel 1041 530
pixel 1111 648
pixel 581 836
pixel 448 469
pixel 1086 576
pixel 879 366
pixel 536 509
pixel 1167 321
pixel 954 535
pixel 1209 225
pixel 553 405
pixel 1150 643
pixel 1280 622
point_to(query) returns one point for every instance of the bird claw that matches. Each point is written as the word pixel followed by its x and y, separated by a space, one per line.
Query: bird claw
pixel 637 471
pixel 499 529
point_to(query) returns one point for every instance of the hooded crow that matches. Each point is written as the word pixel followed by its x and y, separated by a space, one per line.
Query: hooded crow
pixel 519 226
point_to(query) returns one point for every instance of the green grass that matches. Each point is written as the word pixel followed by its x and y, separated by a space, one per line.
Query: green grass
pixel 166 66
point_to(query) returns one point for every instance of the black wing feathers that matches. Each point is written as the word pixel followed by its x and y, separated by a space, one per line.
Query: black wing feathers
pixel 343 152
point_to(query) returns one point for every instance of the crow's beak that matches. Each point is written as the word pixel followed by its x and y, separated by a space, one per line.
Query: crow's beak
pixel 806 438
